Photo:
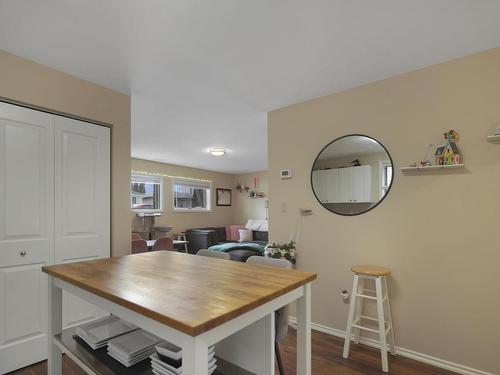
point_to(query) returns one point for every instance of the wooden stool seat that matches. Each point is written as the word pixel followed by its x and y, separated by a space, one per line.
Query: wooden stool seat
pixel 371 270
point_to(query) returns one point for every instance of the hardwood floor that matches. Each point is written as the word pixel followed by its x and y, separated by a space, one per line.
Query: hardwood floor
pixel 326 360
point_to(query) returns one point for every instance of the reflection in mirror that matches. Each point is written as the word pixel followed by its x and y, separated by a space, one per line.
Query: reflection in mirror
pixel 352 175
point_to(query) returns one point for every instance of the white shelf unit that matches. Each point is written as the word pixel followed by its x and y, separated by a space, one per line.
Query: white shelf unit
pixel 493 137
pixel 98 362
pixel 432 167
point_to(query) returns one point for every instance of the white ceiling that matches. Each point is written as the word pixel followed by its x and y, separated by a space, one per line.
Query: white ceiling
pixel 204 73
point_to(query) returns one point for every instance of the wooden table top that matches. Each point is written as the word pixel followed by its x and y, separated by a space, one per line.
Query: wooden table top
pixel 190 293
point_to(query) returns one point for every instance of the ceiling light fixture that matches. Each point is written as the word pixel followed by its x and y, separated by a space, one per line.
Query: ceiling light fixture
pixel 216 151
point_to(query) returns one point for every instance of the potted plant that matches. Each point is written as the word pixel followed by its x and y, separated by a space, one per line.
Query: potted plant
pixel 281 250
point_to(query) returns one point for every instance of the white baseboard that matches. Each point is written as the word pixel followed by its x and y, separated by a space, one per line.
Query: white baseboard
pixel 447 365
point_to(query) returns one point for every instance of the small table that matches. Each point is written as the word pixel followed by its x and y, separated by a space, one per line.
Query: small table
pixel 191 301
pixel 151 243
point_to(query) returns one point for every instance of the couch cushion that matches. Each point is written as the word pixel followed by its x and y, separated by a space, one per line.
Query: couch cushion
pixel 221 233
pixel 232 232
pixel 245 235
pixel 257 224
pixel 260 236
pixel 242 255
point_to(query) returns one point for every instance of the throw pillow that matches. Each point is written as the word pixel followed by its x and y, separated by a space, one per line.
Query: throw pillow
pixel 245 235
pixel 264 226
pixel 252 224
pixel 257 224
pixel 234 232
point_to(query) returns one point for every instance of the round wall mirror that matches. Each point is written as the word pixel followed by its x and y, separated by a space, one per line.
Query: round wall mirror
pixel 352 174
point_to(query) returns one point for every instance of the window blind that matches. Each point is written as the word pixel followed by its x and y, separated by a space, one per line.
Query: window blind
pixel 144 178
pixel 192 184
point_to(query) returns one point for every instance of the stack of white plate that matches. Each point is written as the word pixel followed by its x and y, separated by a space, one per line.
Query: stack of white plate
pixel 168 359
pixel 98 332
pixel 133 347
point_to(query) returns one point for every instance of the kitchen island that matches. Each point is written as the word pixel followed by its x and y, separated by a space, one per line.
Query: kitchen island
pixel 191 301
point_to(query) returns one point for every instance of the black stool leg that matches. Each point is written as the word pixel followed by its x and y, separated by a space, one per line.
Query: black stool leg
pixel 278 358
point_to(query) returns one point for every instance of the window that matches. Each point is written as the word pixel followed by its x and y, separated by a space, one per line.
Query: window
pixel 146 193
pixel 385 177
pixel 191 195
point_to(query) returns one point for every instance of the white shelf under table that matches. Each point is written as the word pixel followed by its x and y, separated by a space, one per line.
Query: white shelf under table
pixel 98 362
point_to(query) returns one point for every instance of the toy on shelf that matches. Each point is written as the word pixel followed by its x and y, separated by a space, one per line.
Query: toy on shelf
pixel 448 154
pixel 444 155
pixel 424 162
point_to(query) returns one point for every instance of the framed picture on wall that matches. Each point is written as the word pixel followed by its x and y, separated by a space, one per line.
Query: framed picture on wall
pixel 223 197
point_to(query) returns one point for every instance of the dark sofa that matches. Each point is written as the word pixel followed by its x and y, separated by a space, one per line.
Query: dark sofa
pixel 203 238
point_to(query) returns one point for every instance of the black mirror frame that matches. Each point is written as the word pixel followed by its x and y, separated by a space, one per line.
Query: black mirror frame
pixel 380 201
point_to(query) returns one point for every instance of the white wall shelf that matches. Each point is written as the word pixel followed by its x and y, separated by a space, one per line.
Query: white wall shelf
pixel 432 167
pixel 493 137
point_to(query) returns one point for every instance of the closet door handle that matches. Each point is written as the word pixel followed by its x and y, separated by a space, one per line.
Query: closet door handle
pixel 23 253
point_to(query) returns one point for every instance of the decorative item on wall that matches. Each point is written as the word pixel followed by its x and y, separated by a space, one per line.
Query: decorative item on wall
pixel 256 194
pixel 252 192
pixel 241 187
pixel 495 136
pixel 223 197
pixel 352 174
pixel 445 156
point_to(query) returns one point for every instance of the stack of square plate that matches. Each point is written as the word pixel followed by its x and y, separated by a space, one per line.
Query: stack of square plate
pixel 168 359
pixel 98 332
pixel 133 347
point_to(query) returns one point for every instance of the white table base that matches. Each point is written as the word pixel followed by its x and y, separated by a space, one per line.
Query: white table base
pixel 246 341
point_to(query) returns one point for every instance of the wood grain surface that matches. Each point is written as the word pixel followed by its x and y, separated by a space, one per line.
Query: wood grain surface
pixel 190 293
pixel 371 270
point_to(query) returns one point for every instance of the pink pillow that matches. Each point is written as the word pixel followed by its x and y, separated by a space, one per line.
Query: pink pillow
pixel 234 232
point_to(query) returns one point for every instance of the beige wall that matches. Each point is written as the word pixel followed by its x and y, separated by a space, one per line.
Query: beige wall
pixel 436 230
pixel 250 208
pixel 36 85
pixel 219 216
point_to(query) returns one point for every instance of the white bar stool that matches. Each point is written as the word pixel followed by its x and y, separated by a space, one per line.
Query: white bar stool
pixel 381 296
pixel 181 237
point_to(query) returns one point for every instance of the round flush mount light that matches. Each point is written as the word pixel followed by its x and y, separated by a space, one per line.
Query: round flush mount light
pixel 216 151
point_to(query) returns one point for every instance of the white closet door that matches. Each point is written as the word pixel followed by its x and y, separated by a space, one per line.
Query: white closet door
pixel 26 233
pixel 82 204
